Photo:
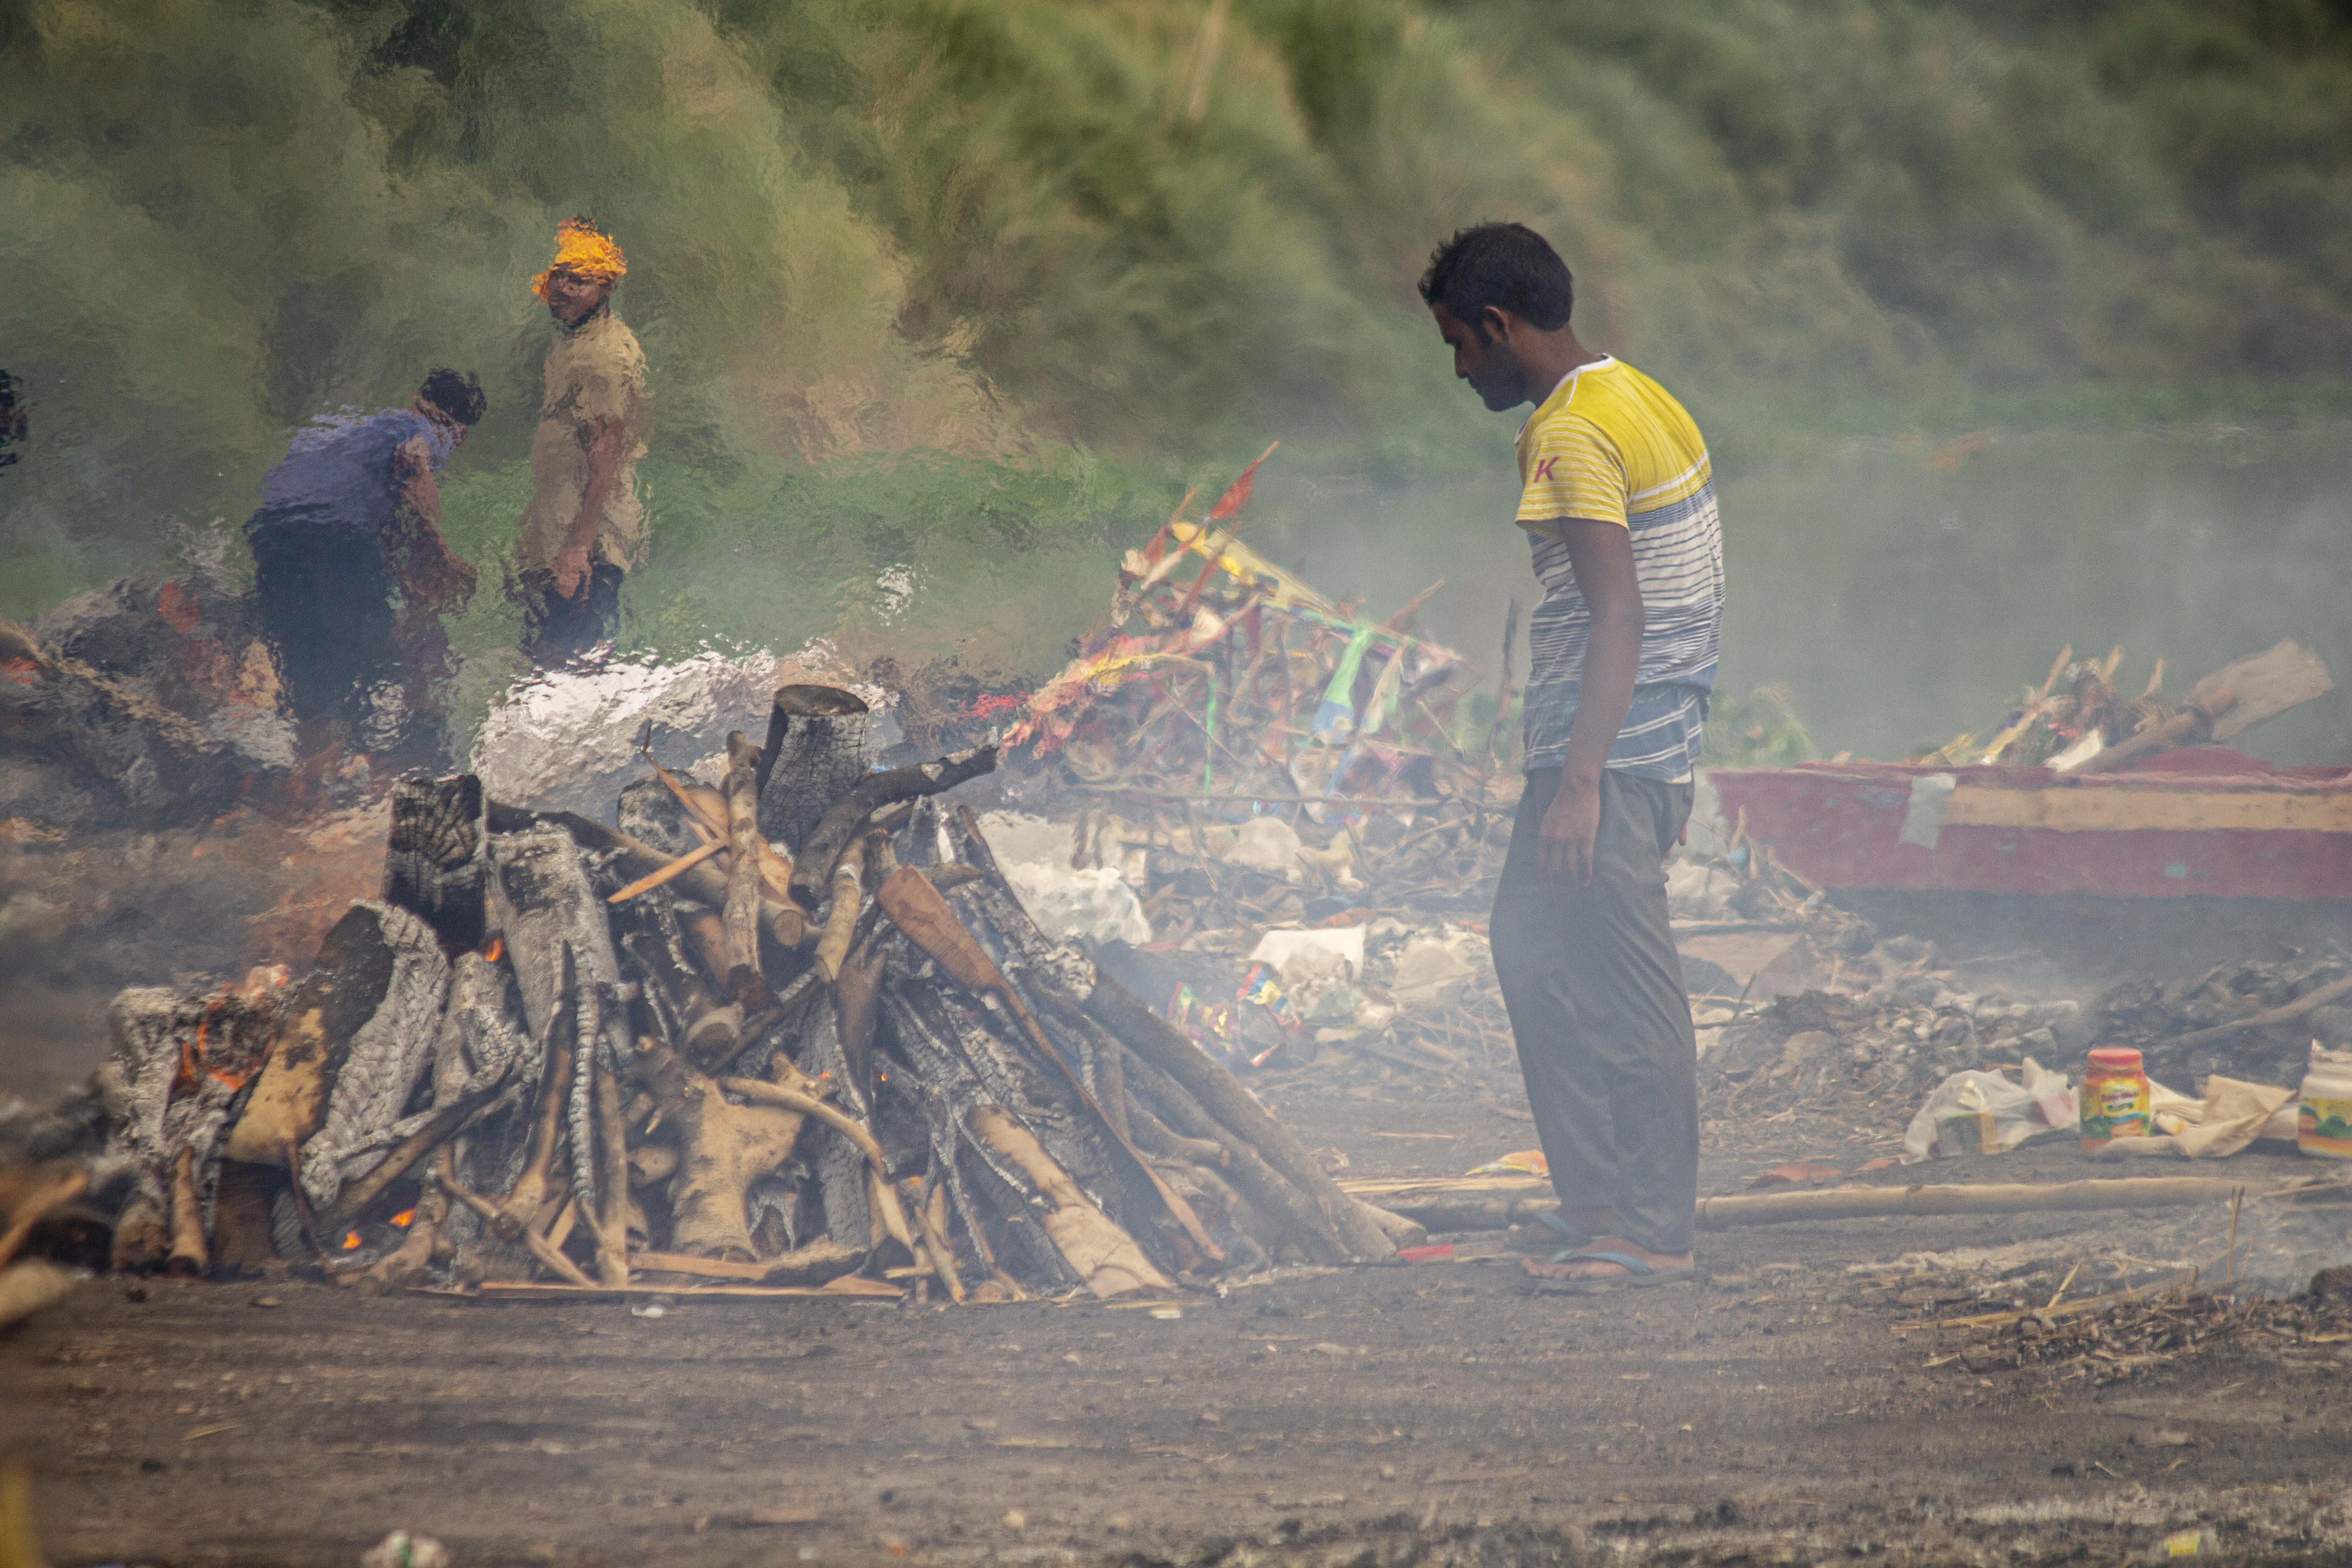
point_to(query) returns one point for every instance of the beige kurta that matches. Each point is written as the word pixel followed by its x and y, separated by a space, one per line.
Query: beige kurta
pixel 594 372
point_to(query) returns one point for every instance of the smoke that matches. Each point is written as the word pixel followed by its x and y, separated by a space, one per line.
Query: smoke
pixel 1010 231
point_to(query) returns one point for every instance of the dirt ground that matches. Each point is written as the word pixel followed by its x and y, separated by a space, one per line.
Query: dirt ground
pixel 1425 1412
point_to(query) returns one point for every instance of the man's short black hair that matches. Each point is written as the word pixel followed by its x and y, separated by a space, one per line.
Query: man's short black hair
pixel 459 397
pixel 11 418
pixel 1507 265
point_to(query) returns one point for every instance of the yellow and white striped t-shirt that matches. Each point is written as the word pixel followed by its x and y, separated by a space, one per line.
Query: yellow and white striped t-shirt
pixel 1611 446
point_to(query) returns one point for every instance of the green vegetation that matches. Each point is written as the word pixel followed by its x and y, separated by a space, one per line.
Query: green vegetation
pixel 1760 731
pixel 1075 253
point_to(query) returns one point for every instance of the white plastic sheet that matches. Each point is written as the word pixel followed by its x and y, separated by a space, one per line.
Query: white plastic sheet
pixel 2042 1103
pixel 1091 903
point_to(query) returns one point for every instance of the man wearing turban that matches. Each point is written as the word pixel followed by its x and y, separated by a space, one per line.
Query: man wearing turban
pixel 585 527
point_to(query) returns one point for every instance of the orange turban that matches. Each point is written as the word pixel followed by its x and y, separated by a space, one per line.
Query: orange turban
pixel 580 250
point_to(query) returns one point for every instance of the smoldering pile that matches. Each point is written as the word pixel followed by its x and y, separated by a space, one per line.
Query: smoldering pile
pixel 1879 1048
pixel 2250 1018
pixel 795 1032
pixel 1216 673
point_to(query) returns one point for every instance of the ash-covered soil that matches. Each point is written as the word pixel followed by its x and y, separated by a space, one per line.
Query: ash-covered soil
pixel 1431 1413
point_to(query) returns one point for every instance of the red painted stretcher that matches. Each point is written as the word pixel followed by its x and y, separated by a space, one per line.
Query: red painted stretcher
pixel 2203 820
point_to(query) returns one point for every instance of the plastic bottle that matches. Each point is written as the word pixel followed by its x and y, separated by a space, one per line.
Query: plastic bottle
pixel 2186 1543
pixel 2113 1096
pixel 2323 1116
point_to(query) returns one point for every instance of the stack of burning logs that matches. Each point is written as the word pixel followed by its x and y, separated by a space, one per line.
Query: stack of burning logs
pixel 794 1032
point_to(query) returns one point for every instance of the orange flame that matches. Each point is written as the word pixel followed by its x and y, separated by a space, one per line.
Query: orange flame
pixel 404 1219
pixel 494 950
pixel 352 1241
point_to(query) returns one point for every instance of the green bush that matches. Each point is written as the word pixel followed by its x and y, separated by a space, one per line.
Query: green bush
pixel 1158 231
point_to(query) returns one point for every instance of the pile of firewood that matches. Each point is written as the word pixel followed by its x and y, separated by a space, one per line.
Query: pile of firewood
pixel 792 1032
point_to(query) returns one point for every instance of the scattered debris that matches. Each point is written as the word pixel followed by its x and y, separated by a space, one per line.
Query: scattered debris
pixel 141 704
pixel 2110 1339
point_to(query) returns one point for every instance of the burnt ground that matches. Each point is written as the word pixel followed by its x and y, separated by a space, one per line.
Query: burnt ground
pixel 1402 1414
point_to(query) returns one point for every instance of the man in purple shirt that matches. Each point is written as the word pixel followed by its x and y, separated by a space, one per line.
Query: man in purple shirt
pixel 351 573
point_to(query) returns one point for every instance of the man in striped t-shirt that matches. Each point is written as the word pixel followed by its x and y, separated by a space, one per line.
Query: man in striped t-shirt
pixel 1618 500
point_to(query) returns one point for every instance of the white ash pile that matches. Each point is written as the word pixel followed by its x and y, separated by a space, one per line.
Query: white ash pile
pixel 793 1031
pixel 1203 869
pixel 571 738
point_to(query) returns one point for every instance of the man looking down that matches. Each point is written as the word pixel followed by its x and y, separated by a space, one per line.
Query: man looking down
pixel 351 573
pixel 585 527
pixel 1618 500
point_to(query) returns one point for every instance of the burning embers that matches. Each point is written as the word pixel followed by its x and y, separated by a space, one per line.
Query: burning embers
pixel 684 1053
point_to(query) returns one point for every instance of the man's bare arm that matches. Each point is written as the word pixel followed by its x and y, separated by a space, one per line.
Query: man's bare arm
pixel 441 579
pixel 412 468
pixel 1602 556
pixel 604 463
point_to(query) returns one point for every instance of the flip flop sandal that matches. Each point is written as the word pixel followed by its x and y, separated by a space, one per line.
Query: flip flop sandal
pixel 1638 1275
pixel 1549 1220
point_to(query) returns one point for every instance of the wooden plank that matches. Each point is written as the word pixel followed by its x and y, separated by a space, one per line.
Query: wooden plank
pixel 720 1268
pixel 2065 1198
pixel 1741 956
pixel 2111 810
pixel 1442 1186
pixel 849 1286
pixel 2265 685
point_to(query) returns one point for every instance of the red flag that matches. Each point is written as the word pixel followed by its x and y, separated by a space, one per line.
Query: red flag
pixel 1236 497
pixel 1237 494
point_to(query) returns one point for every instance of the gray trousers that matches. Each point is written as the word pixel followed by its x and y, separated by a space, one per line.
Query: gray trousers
pixel 1595 992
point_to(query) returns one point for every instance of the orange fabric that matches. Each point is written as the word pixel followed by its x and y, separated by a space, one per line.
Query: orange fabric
pixel 580 249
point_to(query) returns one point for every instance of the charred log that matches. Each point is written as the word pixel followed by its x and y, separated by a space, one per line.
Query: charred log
pixel 345 989
pixel 437 863
pixel 842 822
pixel 816 752
pixel 650 813
pixel 1157 1042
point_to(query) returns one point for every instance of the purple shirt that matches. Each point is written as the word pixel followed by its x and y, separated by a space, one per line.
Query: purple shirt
pixel 339 466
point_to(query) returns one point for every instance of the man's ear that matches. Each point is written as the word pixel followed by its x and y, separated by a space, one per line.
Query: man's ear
pixel 1494 325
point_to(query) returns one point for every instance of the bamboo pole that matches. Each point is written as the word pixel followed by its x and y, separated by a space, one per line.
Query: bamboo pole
pixel 2005 1197
pixel 1495 1203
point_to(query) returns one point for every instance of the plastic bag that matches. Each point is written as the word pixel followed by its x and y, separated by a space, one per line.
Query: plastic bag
pixel 1432 972
pixel 1089 903
pixel 1283 948
pixel 2042 1103
pixel 1094 904
pixel 1262 843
